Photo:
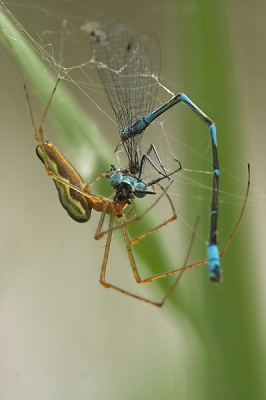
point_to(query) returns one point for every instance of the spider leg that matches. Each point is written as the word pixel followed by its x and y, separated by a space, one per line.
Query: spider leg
pixel 241 215
pixel 41 128
pixel 134 267
pixel 220 254
pixel 104 264
pixel 173 218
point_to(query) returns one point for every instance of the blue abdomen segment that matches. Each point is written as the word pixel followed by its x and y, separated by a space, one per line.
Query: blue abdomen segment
pixel 214 263
pixel 134 129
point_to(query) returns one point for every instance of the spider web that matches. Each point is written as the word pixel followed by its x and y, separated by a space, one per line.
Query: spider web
pixel 61 40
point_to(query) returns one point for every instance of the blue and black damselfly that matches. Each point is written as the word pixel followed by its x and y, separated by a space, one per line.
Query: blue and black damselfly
pixel 128 62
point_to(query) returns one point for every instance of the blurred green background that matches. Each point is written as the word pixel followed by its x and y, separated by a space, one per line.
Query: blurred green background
pixel 63 336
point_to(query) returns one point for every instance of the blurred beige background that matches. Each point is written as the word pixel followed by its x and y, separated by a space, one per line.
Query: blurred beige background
pixel 63 336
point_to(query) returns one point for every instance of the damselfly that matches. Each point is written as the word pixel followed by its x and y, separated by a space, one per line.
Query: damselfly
pixel 128 62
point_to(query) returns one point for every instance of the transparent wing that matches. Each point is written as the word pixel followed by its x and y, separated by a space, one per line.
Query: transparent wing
pixel 128 62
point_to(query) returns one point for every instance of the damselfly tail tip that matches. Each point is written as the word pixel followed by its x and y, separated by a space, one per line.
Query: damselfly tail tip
pixel 215 275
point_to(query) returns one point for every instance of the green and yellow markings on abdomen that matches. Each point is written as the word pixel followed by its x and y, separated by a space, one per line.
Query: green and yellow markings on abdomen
pixel 76 205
